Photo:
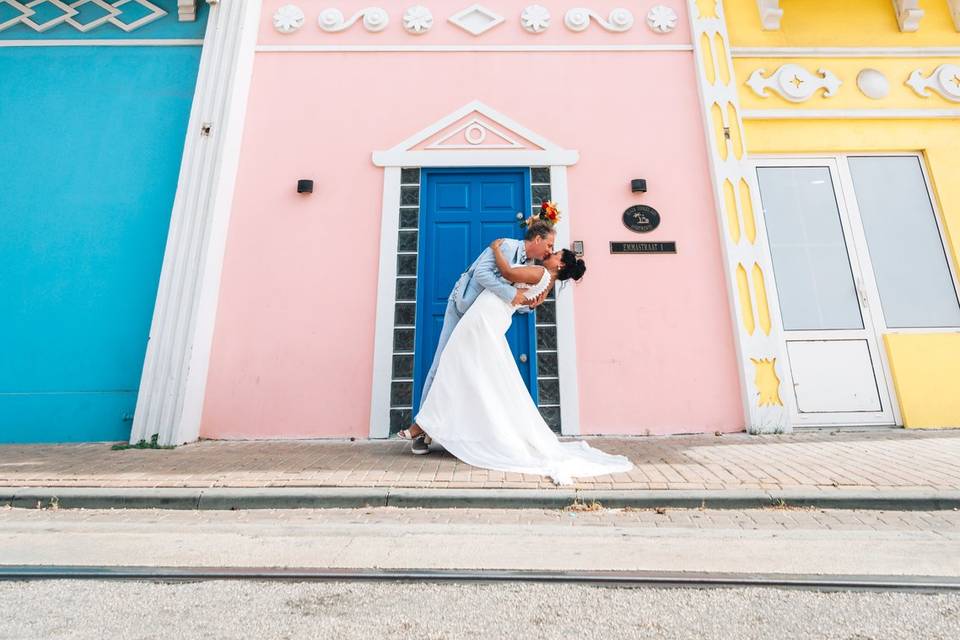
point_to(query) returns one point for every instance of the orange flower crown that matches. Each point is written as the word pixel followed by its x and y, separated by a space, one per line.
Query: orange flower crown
pixel 549 213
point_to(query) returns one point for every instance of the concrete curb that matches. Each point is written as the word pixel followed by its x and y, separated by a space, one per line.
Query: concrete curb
pixel 230 498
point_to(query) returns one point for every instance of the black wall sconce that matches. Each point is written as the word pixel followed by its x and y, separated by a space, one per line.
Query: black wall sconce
pixel 638 185
pixel 578 248
pixel 304 186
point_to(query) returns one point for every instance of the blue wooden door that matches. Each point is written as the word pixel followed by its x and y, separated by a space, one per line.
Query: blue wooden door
pixel 462 212
pixel 91 147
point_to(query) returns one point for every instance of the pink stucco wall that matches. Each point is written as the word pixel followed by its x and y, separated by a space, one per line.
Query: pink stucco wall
pixel 293 346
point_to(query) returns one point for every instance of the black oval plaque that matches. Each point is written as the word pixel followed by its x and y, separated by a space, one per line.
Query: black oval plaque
pixel 641 218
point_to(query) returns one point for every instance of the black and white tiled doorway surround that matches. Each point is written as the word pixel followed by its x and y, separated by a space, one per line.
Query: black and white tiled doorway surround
pixel 405 312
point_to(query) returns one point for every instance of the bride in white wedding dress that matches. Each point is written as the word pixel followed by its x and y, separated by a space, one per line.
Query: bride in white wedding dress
pixel 479 408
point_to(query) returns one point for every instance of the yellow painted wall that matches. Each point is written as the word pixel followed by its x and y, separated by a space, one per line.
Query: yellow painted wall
pixel 839 23
pixel 925 367
pixel 926 373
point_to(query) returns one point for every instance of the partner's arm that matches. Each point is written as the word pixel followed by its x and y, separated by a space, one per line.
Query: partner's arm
pixel 515 273
pixel 487 277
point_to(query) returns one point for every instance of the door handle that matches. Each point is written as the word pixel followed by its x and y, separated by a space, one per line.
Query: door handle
pixel 523 357
pixel 858 283
pixel 519 216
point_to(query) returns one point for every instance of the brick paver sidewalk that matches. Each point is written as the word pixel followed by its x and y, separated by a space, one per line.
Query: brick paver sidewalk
pixel 821 460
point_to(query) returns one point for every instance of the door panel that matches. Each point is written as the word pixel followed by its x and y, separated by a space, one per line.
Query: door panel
pixel 833 355
pixel 900 229
pixel 809 252
pixel 833 376
pixel 463 212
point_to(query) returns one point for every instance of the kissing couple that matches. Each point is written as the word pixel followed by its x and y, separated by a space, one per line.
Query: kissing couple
pixel 474 402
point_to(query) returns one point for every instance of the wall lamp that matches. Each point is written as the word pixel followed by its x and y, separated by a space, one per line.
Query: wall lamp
pixel 304 186
pixel 638 185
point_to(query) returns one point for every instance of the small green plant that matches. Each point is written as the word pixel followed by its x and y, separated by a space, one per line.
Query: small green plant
pixel 143 444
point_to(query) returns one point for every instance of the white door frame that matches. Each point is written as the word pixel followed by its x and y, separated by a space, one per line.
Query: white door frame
pixel 867 297
pixel 407 155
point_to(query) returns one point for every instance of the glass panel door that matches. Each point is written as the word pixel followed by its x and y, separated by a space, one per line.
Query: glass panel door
pixel 833 357
pixel 906 252
pixel 809 252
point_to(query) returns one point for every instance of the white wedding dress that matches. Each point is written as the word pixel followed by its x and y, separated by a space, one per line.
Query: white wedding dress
pixel 479 408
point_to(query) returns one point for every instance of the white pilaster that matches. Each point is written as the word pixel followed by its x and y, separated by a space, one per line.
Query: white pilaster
pixel 759 343
pixel 566 331
pixel 172 387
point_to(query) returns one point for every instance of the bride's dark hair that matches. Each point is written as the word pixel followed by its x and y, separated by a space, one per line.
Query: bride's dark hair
pixel 571 266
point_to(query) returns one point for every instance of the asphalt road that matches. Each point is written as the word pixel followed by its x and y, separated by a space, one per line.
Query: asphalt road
pixel 779 541
pixel 279 610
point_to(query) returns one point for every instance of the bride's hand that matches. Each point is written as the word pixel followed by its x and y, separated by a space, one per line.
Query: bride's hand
pixel 536 302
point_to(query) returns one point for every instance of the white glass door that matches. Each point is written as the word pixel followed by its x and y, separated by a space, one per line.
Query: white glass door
pixel 834 360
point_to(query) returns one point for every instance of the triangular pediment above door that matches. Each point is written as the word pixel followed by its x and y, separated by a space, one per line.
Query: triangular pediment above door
pixel 475 135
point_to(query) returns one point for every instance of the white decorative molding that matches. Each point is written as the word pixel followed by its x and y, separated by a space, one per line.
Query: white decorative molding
pixel 579 19
pixel 535 18
pixel 471 48
pixel 405 154
pixel 288 18
pixel 794 83
pixel 846 52
pixel 542 153
pixel 475 133
pixel 770 14
pixel 25 12
pixel 174 379
pixel 374 19
pixel 909 14
pixel 851 114
pixel 662 19
pixel 113 42
pixel 66 13
pixel 187 10
pixel 476 19
pixel 155 14
pixel 954 7
pixel 110 10
pixel 945 80
pixel 69 12
pixel 417 20
pixel 873 84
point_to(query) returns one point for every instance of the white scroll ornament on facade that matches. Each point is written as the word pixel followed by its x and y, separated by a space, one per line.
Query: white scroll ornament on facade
pixel 794 83
pixel 579 19
pixel 374 19
pixel 945 80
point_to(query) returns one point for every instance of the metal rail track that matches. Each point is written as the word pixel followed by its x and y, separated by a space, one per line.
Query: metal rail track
pixel 660 579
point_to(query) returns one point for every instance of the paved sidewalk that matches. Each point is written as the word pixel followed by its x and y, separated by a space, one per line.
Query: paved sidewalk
pixel 892 460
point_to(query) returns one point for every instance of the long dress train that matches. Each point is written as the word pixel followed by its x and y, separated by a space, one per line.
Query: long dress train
pixel 479 408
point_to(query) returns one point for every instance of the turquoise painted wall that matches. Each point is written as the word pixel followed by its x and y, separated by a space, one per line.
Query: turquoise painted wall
pixel 90 155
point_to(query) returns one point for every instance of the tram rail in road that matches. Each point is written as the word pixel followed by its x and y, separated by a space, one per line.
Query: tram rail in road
pixel 698 580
